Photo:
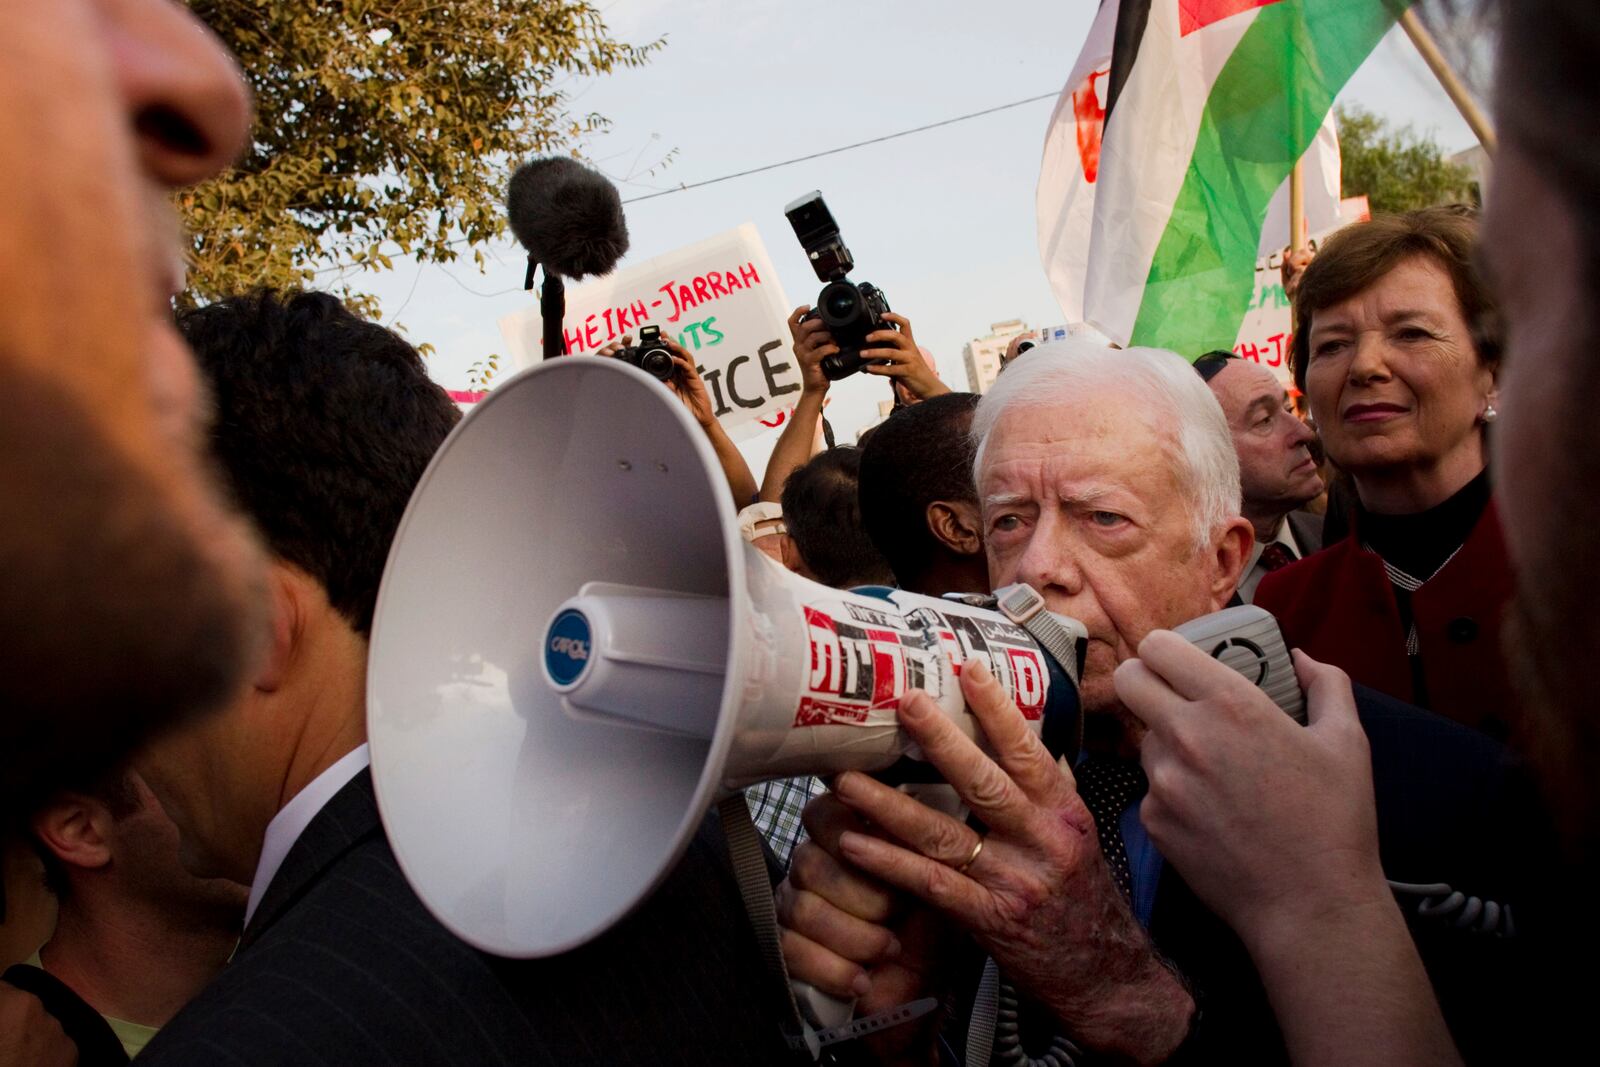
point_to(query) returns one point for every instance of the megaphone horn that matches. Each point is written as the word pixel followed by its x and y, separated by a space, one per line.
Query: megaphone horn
pixel 574 653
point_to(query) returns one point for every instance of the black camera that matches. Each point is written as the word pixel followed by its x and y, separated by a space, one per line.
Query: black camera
pixel 848 310
pixel 651 354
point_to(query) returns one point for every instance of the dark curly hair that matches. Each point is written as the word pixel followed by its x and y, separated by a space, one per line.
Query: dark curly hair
pixel 324 425
pixel 920 454
pixel 823 512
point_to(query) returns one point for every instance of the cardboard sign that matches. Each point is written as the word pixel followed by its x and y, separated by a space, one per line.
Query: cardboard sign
pixel 720 298
pixel 1264 333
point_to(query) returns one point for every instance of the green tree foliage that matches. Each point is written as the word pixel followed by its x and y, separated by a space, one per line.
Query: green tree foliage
pixel 384 127
pixel 1394 168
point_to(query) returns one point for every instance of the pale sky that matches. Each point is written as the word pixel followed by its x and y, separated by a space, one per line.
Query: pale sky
pixel 942 221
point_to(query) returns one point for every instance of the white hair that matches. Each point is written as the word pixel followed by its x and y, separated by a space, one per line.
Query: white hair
pixel 1171 395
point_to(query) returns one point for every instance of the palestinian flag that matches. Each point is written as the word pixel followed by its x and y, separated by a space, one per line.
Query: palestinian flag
pixel 1193 126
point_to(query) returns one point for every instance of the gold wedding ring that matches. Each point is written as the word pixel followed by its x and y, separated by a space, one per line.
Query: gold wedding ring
pixel 971 859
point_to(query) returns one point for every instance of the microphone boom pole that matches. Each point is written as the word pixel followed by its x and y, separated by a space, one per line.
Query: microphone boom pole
pixel 552 309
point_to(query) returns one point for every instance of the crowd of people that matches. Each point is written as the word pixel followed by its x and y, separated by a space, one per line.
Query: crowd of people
pixel 197 510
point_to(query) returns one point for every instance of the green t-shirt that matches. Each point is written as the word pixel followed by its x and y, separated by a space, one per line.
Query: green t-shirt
pixel 134 1036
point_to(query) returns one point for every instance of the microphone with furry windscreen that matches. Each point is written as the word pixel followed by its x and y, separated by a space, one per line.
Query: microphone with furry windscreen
pixel 569 218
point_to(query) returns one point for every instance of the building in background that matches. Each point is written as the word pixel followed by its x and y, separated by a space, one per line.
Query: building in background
pixel 982 354
pixel 1080 330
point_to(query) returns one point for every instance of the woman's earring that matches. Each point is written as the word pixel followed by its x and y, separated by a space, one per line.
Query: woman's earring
pixel 1490 414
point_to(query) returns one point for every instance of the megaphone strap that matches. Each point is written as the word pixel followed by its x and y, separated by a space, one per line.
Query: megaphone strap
pixel 750 868
pixel 755 887
pixel 882 1020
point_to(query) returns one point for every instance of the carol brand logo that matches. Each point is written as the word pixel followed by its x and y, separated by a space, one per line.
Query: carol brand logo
pixel 566 649
pixel 572 646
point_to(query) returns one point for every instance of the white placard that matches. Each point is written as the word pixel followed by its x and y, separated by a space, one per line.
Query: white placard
pixel 720 298
pixel 1265 332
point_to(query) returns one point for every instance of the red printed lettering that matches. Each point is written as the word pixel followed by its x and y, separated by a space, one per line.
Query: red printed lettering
pixel 714 279
pixel 677 309
pixel 1277 350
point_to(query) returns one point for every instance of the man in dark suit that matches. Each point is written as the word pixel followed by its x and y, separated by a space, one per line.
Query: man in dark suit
pixel 324 425
pixel 1277 474
pixel 1108 482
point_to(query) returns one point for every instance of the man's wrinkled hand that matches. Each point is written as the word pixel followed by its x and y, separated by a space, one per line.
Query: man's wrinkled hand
pixel 1037 895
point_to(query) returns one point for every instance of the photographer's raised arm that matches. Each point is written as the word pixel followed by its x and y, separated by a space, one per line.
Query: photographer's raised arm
pixel 895 356
pixel 797 444
pixel 689 387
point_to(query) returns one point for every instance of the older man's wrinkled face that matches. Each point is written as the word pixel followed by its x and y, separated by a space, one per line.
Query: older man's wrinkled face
pixel 1083 500
pixel 1275 465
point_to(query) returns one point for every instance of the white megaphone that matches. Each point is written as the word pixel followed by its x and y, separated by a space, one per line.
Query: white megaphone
pixel 574 653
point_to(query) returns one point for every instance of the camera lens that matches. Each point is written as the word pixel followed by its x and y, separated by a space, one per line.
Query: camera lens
pixel 657 362
pixel 840 305
pixel 841 365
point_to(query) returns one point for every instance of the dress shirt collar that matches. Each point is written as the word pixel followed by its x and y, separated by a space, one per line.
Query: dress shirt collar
pixel 291 821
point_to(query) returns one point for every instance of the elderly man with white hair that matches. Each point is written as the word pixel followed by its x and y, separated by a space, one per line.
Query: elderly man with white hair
pixel 1108 481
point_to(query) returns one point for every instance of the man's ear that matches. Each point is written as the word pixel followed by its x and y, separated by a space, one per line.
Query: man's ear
pixel 955 524
pixel 76 828
pixel 1230 554
pixel 287 624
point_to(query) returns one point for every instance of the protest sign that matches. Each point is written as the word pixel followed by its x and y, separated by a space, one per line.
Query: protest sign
pixel 1264 333
pixel 720 298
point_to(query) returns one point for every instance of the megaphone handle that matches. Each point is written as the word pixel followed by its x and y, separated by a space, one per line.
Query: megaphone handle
pixel 824 1010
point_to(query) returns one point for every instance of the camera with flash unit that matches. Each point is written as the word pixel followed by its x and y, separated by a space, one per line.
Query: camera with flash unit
pixel 651 354
pixel 849 310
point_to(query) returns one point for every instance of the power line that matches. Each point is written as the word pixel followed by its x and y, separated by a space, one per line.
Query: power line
pixel 844 148
pixel 786 162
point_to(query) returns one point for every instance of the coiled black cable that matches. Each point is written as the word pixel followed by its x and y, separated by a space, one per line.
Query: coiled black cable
pixel 1438 901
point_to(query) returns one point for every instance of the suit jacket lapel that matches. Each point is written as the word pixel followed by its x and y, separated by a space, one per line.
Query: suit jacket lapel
pixel 1307 529
pixel 345 821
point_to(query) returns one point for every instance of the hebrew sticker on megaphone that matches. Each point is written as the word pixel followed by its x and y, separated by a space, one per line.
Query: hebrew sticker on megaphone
pixel 574 653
